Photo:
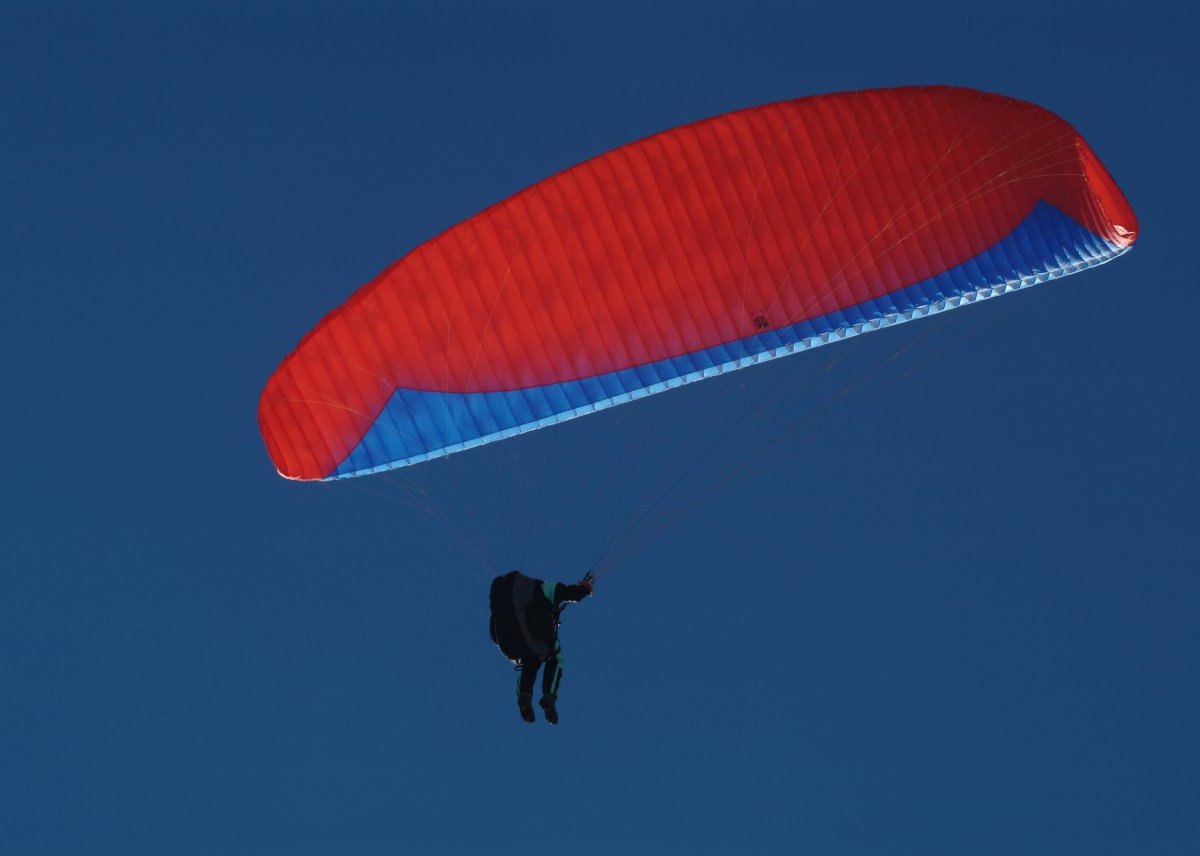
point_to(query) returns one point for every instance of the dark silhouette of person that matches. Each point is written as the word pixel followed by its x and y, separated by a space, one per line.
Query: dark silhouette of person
pixel 524 625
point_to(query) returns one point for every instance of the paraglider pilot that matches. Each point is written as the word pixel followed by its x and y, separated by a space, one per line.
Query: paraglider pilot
pixel 525 616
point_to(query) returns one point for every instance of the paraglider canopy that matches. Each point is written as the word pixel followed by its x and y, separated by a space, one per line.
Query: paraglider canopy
pixel 706 248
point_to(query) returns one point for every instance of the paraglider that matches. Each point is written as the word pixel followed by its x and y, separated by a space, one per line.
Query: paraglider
pixel 700 250
pixel 690 253
pixel 524 626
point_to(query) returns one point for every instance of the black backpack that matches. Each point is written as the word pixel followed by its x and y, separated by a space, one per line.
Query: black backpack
pixel 516 622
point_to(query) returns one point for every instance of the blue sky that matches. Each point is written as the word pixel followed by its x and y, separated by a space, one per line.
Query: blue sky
pixel 952 611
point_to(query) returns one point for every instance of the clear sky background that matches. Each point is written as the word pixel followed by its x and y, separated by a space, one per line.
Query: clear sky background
pixel 952 611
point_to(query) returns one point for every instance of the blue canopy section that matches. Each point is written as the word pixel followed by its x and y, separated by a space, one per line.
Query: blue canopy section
pixel 417 425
